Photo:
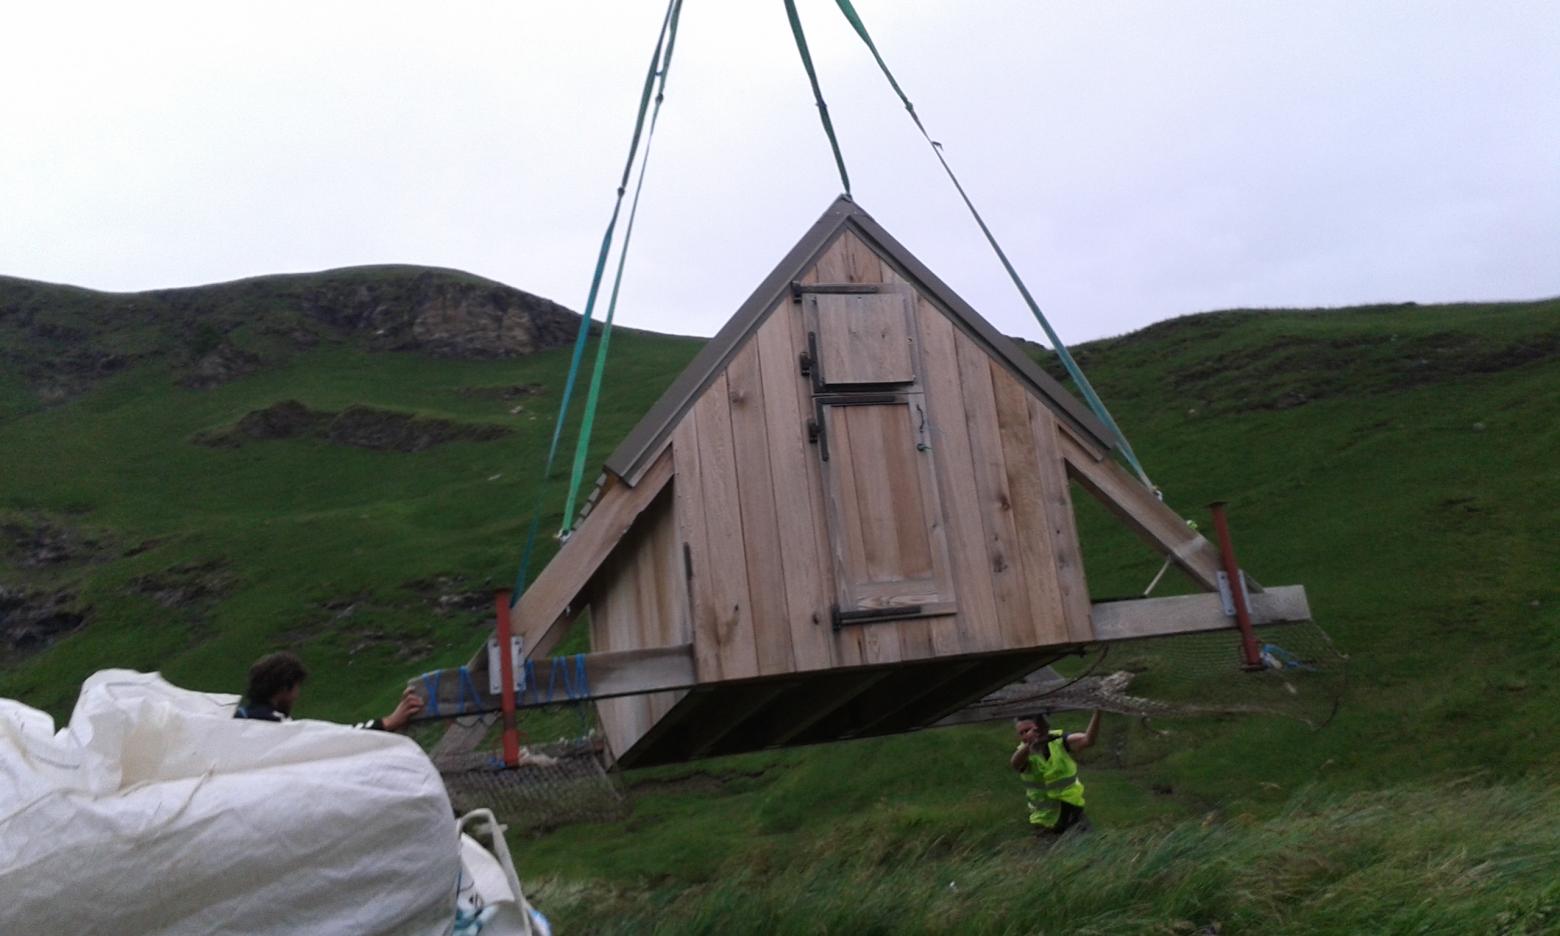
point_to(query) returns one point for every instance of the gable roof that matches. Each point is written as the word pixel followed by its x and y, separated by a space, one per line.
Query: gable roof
pixel 633 454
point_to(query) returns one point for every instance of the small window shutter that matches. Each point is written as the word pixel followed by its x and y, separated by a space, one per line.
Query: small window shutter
pixel 862 338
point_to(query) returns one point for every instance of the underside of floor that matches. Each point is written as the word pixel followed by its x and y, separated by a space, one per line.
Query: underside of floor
pixel 813 708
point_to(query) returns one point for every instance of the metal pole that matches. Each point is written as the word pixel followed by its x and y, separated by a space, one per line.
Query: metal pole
pixel 506 674
pixel 1248 639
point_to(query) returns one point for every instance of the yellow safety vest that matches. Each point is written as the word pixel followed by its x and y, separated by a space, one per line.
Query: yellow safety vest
pixel 1050 781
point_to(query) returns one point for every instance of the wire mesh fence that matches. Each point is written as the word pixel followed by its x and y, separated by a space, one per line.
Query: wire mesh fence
pixel 555 783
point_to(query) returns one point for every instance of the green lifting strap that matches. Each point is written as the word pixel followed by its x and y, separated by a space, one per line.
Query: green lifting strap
pixel 658 64
pixel 812 77
pixel 1073 370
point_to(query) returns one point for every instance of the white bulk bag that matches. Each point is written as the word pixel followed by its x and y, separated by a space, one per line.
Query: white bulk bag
pixel 155 811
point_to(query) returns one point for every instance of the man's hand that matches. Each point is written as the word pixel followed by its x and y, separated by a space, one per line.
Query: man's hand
pixel 411 703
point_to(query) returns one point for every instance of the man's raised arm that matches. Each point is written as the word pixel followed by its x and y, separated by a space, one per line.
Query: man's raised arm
pixel 1086 738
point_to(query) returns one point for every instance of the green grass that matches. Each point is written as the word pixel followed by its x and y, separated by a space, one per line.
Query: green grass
pixel 1400 462
pixel 1452 858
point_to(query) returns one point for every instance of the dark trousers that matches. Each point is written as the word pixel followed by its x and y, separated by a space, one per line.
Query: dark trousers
pixel 1071 817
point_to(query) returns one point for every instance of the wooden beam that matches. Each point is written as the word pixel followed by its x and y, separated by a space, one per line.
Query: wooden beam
pixel 1155 523
pixel 544 605
pixel 607 675
pixel 1188 614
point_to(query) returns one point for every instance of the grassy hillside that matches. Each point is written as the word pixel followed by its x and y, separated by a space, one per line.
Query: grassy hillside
pixel 1401 462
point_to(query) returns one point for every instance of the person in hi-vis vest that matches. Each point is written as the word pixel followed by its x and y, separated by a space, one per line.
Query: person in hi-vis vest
pixel 1044 762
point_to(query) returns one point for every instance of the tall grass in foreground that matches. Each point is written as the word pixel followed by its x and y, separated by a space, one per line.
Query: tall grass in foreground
pixel 1468 857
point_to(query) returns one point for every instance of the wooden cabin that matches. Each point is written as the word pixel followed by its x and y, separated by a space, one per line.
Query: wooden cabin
pixel 851 515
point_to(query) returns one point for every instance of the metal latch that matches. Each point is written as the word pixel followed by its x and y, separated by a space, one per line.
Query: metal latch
pixel 870 616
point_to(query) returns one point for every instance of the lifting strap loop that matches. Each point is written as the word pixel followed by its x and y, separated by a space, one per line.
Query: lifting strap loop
pixel 1092 398
pixel 660 64
pixel 812 78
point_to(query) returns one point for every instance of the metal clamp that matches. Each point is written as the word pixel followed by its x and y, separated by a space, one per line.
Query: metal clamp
pixel 495 665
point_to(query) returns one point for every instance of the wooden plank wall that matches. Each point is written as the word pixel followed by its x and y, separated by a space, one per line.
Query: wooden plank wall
pixel 638 602
pixel 750 505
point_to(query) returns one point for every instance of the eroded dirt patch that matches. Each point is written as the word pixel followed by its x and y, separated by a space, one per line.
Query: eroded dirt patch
pixel 190 586
pixel 33 620
pixel 38 543
pixel 363 427
pixel 510 392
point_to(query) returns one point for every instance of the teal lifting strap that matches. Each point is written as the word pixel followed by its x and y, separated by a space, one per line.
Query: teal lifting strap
pixel 1092 398
pixel 812 77
pixel 668 24
pixel 659 65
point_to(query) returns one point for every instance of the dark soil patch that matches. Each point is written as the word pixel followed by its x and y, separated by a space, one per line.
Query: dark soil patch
pixel 33 621
pixel 691 783
pixel 35 543
pixel 349 620
pixel 385 431
pixel 356 426
pixel 404 648
pixel 191 586
pixel 447 595
pixel 511 392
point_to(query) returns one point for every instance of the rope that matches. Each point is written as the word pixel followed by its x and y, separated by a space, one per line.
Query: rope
pixel 812 78
pixel 587 316
pixel 468 689
pixel 659 66
pixel 1073 370
pixel 431 690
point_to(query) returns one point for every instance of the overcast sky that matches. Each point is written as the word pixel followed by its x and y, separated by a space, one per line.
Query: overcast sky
pixel 1138 160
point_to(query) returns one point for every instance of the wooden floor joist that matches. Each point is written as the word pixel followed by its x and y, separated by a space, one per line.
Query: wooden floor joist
pixel 968 687
pixel 793 719
pixel 738 707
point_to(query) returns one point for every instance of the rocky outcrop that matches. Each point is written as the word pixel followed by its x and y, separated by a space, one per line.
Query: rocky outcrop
pixel 442 314
pixel 63 340
pixel 223 364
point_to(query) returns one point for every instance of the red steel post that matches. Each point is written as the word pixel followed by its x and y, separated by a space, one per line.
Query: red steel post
pixel 1248 639
pixel 506 676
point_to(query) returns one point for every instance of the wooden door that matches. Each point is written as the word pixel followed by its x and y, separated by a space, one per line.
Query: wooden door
pixel 886 526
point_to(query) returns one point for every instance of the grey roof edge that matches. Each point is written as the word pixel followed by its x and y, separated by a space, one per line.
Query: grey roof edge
pixel 632 455
pixel 1023 366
